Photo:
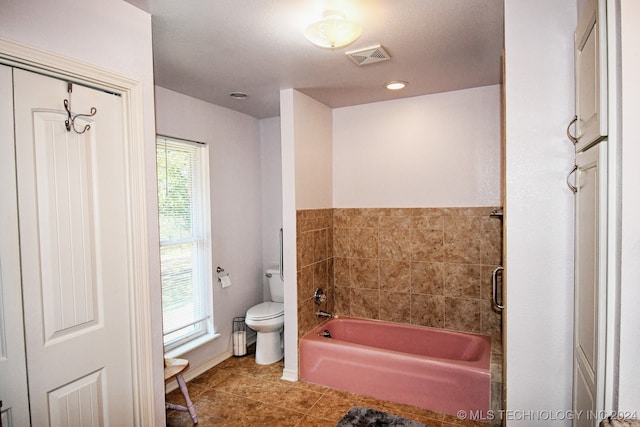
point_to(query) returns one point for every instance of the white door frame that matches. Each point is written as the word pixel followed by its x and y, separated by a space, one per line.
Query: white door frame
pixel 44 62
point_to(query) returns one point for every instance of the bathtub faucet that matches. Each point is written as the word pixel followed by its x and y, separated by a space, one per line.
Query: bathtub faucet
pixel 321 313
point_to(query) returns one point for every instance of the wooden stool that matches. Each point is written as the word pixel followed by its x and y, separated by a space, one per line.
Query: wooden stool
pixel 175 368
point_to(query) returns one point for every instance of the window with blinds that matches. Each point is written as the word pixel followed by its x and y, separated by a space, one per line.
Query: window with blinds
pixel 185 254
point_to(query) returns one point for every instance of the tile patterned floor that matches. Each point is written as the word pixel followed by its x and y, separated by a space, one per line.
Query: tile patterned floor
pixel 240 393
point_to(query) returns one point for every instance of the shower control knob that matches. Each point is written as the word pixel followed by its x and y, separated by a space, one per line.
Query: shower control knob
pixel 319 296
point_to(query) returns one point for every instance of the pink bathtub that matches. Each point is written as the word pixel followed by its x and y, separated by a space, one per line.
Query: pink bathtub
pixel 443 371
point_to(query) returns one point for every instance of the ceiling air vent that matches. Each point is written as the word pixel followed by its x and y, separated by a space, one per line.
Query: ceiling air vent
pixel 369 55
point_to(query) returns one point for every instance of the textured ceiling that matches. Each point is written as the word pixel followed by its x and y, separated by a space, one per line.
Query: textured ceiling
pixel 209 48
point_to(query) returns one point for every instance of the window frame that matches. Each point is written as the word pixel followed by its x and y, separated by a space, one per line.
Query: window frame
pixel 202 266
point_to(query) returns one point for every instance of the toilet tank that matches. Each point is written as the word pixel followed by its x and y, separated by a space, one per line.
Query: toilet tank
pixel 276 285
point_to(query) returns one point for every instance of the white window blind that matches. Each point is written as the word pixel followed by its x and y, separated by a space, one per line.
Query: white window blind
pixel 183 205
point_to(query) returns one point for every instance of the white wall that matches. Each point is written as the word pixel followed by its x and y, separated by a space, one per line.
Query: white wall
pixel 116 36
pixel 287 130
pixel 539 206
pixel 313 148
pixel 629 382
pixel 427 151
pixel 271 178
pixel 306 127
pixel 236 211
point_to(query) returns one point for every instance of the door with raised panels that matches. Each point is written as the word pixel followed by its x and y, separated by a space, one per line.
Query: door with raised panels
pixel 13 372
pixel 590 293
pixel 591 74
pixel 73 218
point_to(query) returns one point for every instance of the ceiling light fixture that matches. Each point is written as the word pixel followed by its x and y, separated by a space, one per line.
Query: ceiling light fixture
pixel 333 30
pixel 396 85
pixel 238 95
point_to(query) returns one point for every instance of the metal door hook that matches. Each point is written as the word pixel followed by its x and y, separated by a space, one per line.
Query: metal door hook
pixel 70 122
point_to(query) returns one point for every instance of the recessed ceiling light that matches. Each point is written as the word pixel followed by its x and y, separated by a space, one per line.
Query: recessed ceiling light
pixel 238 95
pixel 396 85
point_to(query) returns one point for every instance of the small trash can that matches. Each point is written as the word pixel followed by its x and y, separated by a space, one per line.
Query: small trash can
pixel 239 337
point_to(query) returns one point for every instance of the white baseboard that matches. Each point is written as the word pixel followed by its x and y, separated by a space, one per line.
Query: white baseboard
pixel 289 375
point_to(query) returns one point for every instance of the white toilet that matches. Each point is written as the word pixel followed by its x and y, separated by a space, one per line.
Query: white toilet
pixel 267 319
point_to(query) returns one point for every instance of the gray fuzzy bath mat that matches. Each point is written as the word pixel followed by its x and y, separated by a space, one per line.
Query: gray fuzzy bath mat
pixel 359 416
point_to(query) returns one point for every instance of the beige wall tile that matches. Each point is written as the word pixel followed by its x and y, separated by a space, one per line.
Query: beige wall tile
pixel 320 245
pixel 427 278
pixel 394 244
pixel 395 222
pixel 315 267
pixel 395 276
pixel 365 303
pixel 462 314
pixel 395 307
pixel 341 239
pixel 427 245
pixel 364 273
pixel 363 242
pixel 491 241
pixel 306 247
pixel 320 276
pixel 462 280
pixel 341 274
pixel 306 317
pixel 305 283
pixel 433 221
pixel 427 310
pixel 342 301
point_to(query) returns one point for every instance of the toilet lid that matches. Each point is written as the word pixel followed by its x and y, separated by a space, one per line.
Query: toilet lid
pixel 266 310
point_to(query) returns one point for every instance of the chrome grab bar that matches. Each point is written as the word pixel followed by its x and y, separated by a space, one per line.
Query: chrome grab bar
pixel 281 255
pixel 495 273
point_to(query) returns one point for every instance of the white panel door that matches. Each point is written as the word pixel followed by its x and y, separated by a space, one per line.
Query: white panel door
pixel 590 285
pixel 591 74
pixel 13 372
pixel 74 254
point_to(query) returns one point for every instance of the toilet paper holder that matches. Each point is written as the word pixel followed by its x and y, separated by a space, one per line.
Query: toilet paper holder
pixel 239 333
pixel 223 279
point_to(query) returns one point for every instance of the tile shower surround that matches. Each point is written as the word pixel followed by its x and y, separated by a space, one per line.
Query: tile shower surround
pixel 423 266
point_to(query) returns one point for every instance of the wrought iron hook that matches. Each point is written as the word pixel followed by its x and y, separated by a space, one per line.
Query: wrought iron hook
pixel 70 122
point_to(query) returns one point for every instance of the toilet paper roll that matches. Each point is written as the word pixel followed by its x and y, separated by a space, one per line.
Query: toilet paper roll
pixel 225 281
pixel 239 343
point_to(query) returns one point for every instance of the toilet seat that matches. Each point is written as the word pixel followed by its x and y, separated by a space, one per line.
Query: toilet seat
pixel 265 311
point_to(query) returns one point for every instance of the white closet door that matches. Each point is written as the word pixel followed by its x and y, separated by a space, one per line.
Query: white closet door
pixel 591 74
pixel 590 286
pixel 74 254
pixel 13 374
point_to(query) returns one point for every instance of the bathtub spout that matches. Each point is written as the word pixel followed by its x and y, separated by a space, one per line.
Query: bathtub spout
pixel 321 313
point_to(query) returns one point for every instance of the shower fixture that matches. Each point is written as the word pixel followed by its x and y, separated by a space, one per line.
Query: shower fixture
pixel 319 296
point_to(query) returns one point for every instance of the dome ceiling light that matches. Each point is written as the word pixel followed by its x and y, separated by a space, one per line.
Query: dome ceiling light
pixel 333 30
